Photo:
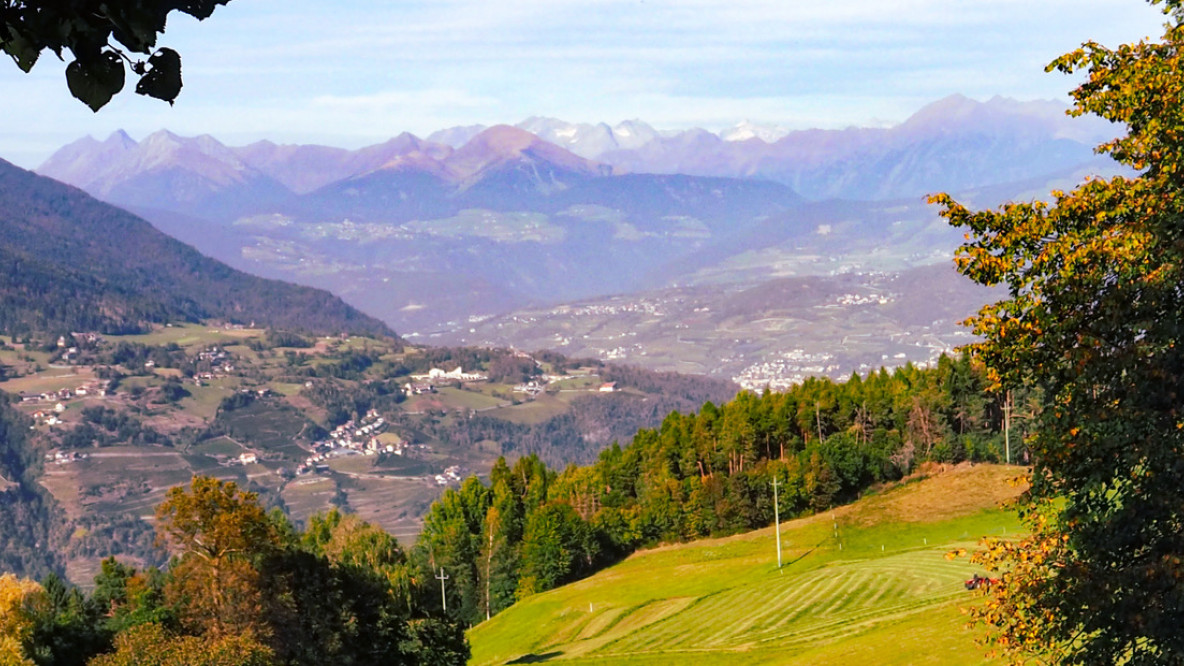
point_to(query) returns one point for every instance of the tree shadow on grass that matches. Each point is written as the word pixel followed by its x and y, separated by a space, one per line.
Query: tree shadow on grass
pixel 536 658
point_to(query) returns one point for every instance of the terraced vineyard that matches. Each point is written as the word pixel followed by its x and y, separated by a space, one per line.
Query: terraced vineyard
pixel 868 583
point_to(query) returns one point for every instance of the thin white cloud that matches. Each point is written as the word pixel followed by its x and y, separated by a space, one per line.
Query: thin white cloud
pixel 362 70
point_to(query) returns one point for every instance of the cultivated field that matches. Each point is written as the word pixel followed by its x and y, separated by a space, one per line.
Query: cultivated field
pixel 868 583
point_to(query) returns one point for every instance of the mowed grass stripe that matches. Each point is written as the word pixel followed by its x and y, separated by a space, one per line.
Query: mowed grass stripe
pixel 723 601
pixel 832 598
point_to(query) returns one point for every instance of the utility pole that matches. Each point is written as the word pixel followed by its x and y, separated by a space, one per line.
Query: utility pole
pixel 1007 427
pixel 443 599
pixel 777 522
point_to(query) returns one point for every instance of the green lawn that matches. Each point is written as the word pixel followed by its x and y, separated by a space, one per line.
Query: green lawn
pixel 543 407
pixel 880 592
pixel 456 398
pixel 358 464
pixel 188 335
pixel 51 379
pixel 203 400
pixel 219 446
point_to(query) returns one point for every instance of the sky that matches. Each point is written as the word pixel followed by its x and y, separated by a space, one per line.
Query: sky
pixel 356 72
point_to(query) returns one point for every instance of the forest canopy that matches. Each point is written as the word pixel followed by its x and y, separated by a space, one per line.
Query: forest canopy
pixel 244 586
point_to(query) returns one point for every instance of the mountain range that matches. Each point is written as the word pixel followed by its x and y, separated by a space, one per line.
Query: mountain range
pixel 472 221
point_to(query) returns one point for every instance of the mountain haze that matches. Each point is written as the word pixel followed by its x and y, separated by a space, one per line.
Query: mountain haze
pixel 478 220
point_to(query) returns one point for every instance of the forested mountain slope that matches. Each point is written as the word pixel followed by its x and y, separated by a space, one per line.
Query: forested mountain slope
pixel 71 262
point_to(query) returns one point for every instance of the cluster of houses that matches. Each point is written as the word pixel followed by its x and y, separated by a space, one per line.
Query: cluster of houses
pixel 70 355
pixel 63 457
pixel 858 299
pixel 360 437
pixel 537 386
pixel 531 388
pixel 451 474
pixel 789 368
pixel 48 417
pixel 59 397
pixel 217 360
pixel 426 383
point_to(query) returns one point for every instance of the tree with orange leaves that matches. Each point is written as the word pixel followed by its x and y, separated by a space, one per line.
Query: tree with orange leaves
pixel 1095 318
pixel 217 532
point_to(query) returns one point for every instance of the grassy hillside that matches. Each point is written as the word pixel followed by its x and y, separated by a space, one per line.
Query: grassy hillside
pixel 881 591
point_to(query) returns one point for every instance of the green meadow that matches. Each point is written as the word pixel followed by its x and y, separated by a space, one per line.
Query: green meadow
pixel 867 583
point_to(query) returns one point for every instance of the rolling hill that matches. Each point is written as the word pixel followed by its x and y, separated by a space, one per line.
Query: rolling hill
pixel 866 583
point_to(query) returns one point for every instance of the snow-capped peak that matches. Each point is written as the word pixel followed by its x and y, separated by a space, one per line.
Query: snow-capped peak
pixel 745 130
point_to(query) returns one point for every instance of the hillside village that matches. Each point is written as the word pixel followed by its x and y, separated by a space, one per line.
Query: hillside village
pixel 829 326
pixel 308 423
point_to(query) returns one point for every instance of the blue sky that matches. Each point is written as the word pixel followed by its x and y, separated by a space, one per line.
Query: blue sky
pixel 357 72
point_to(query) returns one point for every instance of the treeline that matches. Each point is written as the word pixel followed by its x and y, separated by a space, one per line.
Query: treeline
pixel 705 474
pixel 243 587
pixel 590 424
pixel 342 403
pixel 695 389
pixel 578 435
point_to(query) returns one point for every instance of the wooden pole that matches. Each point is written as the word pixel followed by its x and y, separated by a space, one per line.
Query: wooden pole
pixel 1007 427
pixel 777 522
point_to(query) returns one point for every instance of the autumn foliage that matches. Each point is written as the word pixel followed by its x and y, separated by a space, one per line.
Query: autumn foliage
pixel 1093 318
pixel 244 587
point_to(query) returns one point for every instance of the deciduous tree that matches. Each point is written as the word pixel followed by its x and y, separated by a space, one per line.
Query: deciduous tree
pixel 1094 318
pixel 22 602
pixel 99 36
pixel 217 532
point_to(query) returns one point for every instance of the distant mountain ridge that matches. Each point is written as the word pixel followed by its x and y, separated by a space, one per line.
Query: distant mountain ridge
pixel 951 144
pixel 71 262
pixel 477 220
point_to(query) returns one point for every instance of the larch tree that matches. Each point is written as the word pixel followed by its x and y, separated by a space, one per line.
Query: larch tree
pixel 217 532
pixel 22 602
pixel 1094 318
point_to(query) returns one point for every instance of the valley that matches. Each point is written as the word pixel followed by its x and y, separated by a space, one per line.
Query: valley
pixel 308 423
pixel 316 356
pixel 499 221
pixel 774 333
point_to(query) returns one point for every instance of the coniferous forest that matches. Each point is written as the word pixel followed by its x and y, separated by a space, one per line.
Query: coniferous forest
pixel 531 528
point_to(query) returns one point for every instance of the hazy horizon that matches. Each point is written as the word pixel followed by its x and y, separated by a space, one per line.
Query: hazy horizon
pixel 356 73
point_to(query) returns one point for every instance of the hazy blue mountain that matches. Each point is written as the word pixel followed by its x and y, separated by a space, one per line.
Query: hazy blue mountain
pixel 477 220
pixel 190 175
pixel 952 144
pixel 591 140
pixel 304 168
pixel 456 137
